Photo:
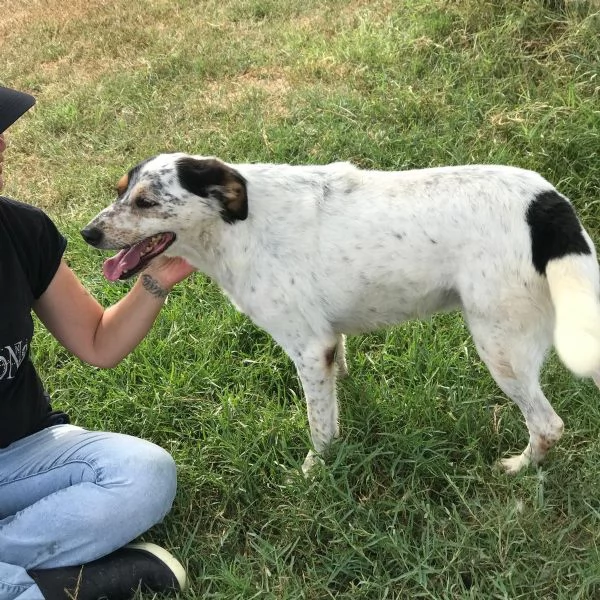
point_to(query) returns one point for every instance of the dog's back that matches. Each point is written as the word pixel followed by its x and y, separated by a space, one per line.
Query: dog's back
pixel 382 247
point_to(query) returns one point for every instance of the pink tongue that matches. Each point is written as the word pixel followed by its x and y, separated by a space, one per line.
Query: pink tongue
pixel 125 260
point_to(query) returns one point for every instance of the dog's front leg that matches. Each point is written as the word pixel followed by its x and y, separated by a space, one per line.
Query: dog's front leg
pixel 316 365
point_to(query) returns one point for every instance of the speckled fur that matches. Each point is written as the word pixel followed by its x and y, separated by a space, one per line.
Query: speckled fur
pixel 333 250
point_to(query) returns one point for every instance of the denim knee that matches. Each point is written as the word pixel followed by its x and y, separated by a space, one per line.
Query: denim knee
pixel 130 487
pixel 155 480
pixel 160 481
pixel 144 476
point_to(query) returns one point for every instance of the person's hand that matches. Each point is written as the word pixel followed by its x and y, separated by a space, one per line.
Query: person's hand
pixel 167 271
pixel 2 149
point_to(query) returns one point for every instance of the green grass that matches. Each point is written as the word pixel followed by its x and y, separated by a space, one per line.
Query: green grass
pixel 408 505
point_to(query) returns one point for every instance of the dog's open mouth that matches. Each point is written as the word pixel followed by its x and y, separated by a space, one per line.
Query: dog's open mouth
pixel 133 259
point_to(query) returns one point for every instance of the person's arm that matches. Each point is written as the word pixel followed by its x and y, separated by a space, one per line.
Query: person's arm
pixel 103 337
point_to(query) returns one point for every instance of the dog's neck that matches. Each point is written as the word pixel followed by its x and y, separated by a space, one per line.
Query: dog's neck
pixel 246 256
pixel 223 252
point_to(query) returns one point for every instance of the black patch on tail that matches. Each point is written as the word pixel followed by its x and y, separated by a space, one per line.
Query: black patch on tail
pixel 555 229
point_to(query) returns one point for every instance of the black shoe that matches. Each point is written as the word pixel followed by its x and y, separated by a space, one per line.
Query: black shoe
pixel 114 577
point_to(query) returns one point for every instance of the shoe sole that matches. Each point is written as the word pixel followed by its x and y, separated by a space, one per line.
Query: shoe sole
pixel 165 557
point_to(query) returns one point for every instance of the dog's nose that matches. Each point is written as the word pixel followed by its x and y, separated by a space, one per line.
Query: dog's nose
pixel 92 235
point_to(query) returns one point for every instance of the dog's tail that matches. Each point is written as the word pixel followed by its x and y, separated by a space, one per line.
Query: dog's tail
pixel 574 288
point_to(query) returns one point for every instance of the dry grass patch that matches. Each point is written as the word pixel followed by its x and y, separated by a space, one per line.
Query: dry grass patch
pixel 74 43
pixel 19 15
pixel 272 85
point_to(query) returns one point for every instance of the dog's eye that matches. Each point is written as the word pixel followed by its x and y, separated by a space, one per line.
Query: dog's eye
pixel 142 202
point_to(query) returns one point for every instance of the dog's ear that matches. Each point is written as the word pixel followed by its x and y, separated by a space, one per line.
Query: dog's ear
pixel 210 178
pixel 122 184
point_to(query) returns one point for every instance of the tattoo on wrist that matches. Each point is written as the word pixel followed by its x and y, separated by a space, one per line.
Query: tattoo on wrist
pixel 151 285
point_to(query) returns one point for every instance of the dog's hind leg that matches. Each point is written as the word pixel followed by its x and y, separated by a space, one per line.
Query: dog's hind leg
pixel 514 351
pixel 340 356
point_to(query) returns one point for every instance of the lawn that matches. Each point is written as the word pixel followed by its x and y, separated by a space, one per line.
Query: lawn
pixel 409 504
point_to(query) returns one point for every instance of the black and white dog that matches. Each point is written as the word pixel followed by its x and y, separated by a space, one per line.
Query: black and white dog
pixel 311 253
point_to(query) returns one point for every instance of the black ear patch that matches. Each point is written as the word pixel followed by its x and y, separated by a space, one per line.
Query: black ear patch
pixel 555 229
pixel 210 178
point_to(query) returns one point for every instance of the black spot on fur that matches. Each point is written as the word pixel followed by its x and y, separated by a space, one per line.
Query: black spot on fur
pixel 330 356
pixel 210 178
pixel 555 229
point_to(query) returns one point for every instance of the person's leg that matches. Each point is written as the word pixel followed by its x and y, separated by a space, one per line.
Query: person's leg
pixel 69 496
pixel 16 584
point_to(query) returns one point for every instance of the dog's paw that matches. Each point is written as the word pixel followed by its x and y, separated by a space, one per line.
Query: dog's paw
pixel 310 462
pixel 513 464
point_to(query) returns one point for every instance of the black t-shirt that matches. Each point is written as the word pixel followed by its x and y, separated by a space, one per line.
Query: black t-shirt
pixel 31 249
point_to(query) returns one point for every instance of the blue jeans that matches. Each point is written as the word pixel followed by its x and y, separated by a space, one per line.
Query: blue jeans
pixel 69 496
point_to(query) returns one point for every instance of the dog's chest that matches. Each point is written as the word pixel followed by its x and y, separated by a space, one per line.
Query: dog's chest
pixel 268 297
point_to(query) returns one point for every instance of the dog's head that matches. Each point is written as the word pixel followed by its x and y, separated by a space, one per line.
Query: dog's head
pixel 160 199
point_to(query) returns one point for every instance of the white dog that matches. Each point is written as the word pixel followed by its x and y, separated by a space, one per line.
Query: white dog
pixel 311 253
